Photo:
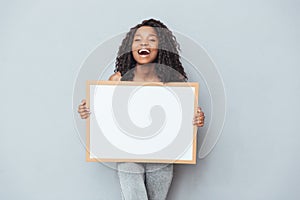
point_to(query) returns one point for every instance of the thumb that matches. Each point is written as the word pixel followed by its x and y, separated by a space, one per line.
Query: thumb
pixel 83 102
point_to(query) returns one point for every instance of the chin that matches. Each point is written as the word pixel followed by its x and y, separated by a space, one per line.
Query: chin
pixel 144 63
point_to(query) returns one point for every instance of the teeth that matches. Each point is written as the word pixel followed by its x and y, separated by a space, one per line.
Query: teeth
pixel 143 50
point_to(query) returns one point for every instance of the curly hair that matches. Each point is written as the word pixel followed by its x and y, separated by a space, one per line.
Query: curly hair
pixel 167 62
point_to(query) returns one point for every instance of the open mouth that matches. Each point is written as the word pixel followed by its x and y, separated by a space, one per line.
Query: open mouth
pixel 144 52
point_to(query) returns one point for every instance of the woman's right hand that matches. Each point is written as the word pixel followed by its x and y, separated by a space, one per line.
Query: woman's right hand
pixel 83 110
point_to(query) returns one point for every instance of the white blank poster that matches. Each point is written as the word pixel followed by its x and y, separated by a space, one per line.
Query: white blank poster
pixel 141 122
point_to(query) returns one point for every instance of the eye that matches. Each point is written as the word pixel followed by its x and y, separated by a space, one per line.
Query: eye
pixel 152 39
pixel 137 40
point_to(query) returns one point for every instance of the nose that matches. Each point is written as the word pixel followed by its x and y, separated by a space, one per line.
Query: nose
pixel 144 43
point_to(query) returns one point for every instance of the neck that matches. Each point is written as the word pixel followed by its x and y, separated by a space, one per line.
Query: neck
pixel 146 71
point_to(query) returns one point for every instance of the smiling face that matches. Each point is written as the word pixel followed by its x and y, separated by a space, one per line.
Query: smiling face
pixel 145 45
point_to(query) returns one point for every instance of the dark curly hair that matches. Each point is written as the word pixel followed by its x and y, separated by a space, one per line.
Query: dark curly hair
pixel 168 62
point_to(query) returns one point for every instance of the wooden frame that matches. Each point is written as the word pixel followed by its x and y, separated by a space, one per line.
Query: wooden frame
pixel 190 151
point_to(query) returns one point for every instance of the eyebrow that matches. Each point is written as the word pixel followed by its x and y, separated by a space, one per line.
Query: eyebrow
pixel 151 34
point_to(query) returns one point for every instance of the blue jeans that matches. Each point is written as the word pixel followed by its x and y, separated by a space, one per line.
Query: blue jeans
pixel 145 181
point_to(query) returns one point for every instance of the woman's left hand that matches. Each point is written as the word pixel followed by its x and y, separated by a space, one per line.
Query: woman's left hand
pixel 199 118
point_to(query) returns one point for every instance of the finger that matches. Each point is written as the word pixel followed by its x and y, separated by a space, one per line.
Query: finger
pixel 198 117
pixel 84 116
pixel 83 106
pixel 83 110
pixel 199 109
pixel 200 125
pixel 199 114
pixel 80 110
pixel 201 118
pixel 83 102
pixel 200 121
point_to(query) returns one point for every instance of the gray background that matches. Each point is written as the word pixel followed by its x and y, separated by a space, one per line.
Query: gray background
pixel 255 45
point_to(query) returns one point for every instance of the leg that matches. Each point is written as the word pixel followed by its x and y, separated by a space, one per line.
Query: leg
pixel 158 180
pixel 132 181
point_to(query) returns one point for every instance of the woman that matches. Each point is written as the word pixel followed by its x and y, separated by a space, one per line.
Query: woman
pixel 149 52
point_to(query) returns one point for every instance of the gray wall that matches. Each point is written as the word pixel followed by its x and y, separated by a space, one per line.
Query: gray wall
pixel 255 45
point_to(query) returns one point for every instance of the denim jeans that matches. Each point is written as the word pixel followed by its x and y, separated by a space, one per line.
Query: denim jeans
pixel 145 181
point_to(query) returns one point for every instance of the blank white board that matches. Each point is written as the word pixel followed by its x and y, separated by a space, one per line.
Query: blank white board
pixel 141 122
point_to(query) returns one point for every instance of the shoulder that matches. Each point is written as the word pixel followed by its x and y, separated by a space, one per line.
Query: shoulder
pixel 115 77
pixel 181 78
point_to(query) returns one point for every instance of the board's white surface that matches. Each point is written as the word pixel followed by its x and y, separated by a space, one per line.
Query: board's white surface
pixel 139 106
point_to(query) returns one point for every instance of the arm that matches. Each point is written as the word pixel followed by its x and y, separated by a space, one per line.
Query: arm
pixel 83 110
